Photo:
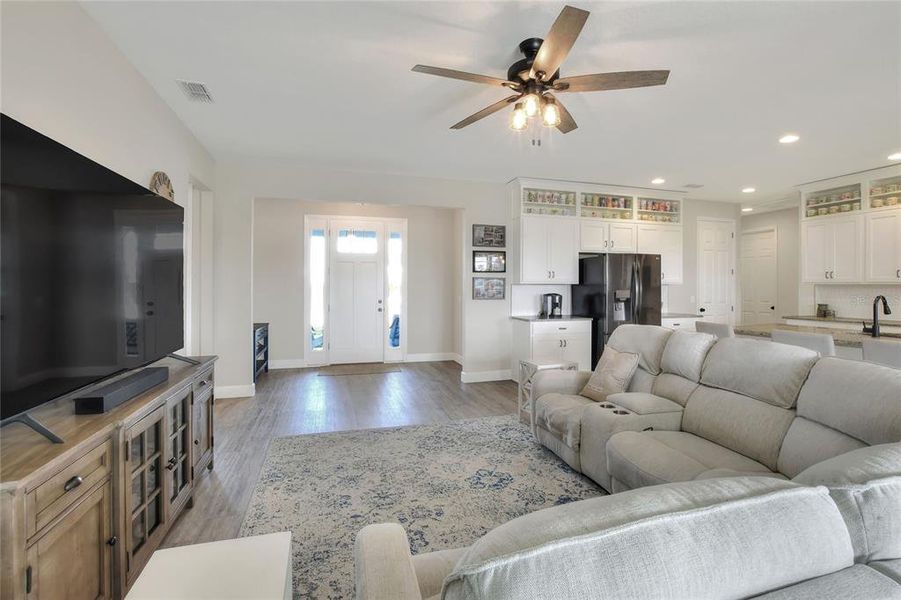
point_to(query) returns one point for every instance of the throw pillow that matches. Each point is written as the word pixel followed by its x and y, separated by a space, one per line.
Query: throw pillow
pixel 612 375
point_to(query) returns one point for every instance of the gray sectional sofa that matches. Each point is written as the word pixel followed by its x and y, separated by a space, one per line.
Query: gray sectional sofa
pixel 699 408
pixel 743 469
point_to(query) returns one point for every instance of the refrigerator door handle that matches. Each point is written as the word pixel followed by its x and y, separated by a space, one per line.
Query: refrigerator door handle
pixel 638 291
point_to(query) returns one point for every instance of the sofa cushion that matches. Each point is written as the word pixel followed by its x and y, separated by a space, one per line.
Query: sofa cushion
pixel 714 473
pixel 561 414
pixel 612 374
pixel 856 467
pixel 653 457
pixel 747 426
pixel 643 404
pixel 685 352
pixel 432 567
pixel 674 387
pixel 770 372
pixel 675 541
pixel 642 381
pixel 859 581
pixel 890 568
pixel 648 341
pixel 808 443
pixel 860 399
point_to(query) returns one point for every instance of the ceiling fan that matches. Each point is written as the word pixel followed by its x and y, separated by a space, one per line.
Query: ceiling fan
pixel 535 77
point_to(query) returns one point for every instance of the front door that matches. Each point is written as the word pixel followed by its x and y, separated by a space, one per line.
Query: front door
pixel 716 254
pixel 758 277
pixel 356 312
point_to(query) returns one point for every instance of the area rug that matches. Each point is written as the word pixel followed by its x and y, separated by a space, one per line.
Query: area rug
pixel 358 369
pixel 446 484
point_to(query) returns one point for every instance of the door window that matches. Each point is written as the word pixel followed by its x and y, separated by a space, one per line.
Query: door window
pixel 317 289
pixel 357 241
pixel 395 291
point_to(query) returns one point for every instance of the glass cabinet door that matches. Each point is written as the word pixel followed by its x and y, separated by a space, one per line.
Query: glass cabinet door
pixel 178 446
pixel 144 492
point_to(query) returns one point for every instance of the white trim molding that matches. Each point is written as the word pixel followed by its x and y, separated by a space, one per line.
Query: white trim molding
pixel 288 363
pixel 235 391
pixel 482 376
pixel 433 357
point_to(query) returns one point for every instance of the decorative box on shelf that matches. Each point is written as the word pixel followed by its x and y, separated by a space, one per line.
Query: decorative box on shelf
pixel 605 206
pixel 548 202
pixel 659 211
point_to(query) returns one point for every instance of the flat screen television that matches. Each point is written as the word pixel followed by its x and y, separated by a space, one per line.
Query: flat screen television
pixel 91 270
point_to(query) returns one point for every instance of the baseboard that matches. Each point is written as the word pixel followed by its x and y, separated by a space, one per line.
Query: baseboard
pixel 433 357
pixel 288 363
pixel 480 376
pixel 235 391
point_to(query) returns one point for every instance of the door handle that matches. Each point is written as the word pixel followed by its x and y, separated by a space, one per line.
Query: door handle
pixel 605 243
pixel 171 463
pixel 559 343
pixel 380 309
pixel 702 309
pixel 565 343
pixel 611 243
pixel 772 308
pixel 898 273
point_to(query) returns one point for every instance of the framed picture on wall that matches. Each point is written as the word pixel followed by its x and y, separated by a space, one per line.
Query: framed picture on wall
pixel 488 288
pixel 489 261
pixel 489 236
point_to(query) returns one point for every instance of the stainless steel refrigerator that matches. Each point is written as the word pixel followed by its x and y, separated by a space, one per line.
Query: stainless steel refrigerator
pixel 615 289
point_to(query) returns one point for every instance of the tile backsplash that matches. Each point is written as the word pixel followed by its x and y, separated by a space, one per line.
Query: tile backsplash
pixel 856 301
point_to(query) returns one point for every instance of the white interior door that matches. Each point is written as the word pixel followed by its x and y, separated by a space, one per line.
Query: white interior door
pixel 356 287
pixel 758 277
pixel 716 257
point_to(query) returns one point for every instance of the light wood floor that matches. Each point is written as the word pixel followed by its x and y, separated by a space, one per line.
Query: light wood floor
pixel 298 401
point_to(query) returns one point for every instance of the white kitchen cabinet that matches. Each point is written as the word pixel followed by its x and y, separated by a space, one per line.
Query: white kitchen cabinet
pixel 549 250
pixel 832 249
pixel 883 246
pixel 665 240
pixel 552 340
pixel 600 236
pixel 686 323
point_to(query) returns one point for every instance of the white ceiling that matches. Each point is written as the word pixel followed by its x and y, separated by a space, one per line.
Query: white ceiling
pixel 329 84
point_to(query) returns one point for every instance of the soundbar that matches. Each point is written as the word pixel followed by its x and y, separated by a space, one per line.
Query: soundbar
pixel 113 394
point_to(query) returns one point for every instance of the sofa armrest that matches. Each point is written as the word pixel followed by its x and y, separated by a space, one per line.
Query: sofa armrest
pixel 383 567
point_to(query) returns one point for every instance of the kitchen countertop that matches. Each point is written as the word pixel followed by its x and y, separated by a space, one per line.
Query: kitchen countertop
pixel 680 316
pixel 842 337
pixel 869 320
pixel 530 319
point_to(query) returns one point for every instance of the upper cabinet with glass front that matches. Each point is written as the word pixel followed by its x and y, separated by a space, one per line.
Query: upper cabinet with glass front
pixel 548 202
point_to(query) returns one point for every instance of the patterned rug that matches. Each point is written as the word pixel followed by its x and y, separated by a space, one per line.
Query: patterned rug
pixel 446 484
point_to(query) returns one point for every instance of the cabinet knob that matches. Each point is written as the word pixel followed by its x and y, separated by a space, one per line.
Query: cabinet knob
pixel 112 541
pixel 73 483
pixel 196 442
pixel 171 463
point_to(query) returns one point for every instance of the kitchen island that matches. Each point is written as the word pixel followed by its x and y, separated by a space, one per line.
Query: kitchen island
pixel 848 343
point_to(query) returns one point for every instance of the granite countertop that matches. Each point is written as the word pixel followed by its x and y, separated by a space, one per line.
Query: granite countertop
pixel 869 320
pixel 681 316
pixel 531 319
pixel 842 337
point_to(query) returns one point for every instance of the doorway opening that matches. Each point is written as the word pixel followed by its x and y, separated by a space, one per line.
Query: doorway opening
pixel 355 289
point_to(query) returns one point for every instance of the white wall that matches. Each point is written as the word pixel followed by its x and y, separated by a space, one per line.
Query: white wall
pixel 278 269
pixel 788 231
pixel 679 297
pixel 485 324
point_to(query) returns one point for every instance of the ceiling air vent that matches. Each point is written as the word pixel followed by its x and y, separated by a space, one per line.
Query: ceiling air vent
pixel 195 91
pixel 693 186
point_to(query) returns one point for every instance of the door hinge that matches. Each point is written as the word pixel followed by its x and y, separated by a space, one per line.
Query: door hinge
pixel 731 271
pixel 28 580
pixel 732 308
pixel 733 235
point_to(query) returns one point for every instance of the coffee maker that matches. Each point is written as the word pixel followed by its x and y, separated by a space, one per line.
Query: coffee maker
pixel 551 306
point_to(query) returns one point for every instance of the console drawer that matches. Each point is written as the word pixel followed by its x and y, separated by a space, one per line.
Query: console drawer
pixel 203 382
pixel 560 327
pixel 54 496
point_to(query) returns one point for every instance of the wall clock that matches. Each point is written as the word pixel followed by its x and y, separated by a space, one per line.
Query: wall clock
pixel 161 186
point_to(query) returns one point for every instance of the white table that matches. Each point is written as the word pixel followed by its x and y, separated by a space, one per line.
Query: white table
pixel 527 371
pixel 257 568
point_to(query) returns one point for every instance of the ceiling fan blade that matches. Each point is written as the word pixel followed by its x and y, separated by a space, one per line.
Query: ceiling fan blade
pixel 464 76
pixel 611 81
pixel 567 123
pixel 558 42
pixel 488 110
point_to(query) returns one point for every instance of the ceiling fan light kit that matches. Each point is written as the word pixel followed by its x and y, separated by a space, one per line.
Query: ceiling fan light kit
pixel 534 77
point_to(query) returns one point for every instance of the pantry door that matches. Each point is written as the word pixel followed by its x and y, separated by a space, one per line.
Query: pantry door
pixel 758 276
pixel 356 288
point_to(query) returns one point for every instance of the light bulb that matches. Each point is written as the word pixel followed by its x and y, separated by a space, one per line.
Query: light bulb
pixel 551 114
pixel 532 104
pixel 518 119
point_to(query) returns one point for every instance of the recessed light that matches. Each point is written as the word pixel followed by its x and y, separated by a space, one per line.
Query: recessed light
pixel 658 180
pixel 747 209
pixel 748 190
pixel 895 156
pixel 789 138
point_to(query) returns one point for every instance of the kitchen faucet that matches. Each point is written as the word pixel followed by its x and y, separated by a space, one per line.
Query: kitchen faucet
pixel 885 309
